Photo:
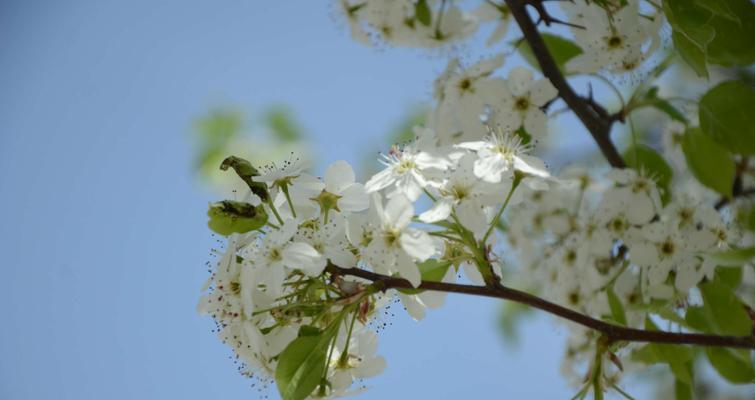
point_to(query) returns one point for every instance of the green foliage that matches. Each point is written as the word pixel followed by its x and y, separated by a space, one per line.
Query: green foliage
pixel 647 160
pixel 726 115
pixel 725 313
pixel 733 365
pixel 422 13
pixel 682 391
pixel 227 217
pixel 734 256
pixel 302 364
pixel 712 32
pixel 617 309
pixel 281 122
pixel 246 172
pixel 651 99
pixel 561 49
pixel 214 131
pixel 431 270
pixel 679 358
pixel 711 164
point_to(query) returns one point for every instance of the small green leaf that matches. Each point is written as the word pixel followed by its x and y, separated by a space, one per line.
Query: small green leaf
pixel 710 163
pixel 431 270
pixel 561 49
pixel 719 8
pixel 732 365
pixel 691 32
pixel 246 172
pixel 726 310
pixel 651 163
pixel 676 356
pixel 302 363
pixel 281 122
pixel 734 256
pixel 651 99
pixel 617 309
pixel 422 13
pixel 726 115
pixel 682 391
pixel 227 217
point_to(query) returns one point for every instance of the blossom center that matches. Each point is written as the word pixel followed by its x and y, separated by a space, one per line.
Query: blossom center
pixel 522 104
pixel 405 166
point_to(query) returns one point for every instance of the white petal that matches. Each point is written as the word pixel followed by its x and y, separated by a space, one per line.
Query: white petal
pixel 380 180
pixel 418 244
pixel 408 269
pixel 640 209
pixel 398 212
pixel 643 254
pixel 536 122
pixel 413 306
pixel 338 175
pixel 304 257
pixel 542 92
pixel 520 80
pixel 370 368
pixel 354 198
pixel 438 212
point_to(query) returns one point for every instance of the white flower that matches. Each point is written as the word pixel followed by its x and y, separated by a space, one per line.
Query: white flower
pixel 277 253
pixel 359 363
pixel 500 155
pixel 407 170
pixel 520 103
pixel 340 181
pixel 489 11
pixel 395 246
pixel 634 195
pixel 612 41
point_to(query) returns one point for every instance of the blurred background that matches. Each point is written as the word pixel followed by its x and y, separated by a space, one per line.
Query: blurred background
pixel 113 118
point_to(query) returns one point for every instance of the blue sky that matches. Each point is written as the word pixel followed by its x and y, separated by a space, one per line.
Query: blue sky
pixel 103 224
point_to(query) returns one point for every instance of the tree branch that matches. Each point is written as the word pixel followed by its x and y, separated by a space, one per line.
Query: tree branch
pixel 613 333
pixel 594 117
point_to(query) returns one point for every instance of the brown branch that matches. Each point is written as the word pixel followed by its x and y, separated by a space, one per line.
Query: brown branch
pixel 595 119
pixel 613 333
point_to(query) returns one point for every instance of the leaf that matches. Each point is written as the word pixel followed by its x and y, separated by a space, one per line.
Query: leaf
pixel 431 270
pixel 651 99
pixel 732 44
pixel 691 32
pixel 246 172
pixel 734 256
pixel 676 356
pixel 725 310
pixel 726 115
pixel 561 49
pixel 228 216
pixel 719 8
pixel 422 13
pixel 682 391
pixel 651 163
pixel 617 309
pixel 302 363
pixel 732 365
pixel 710 163
pixel 281 122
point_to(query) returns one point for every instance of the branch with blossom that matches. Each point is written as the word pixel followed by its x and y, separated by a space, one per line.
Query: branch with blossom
pixel 310 262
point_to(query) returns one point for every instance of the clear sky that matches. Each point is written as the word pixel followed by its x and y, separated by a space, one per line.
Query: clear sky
pixel 103 230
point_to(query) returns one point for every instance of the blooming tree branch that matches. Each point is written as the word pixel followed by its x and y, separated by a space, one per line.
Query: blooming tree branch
pixel 612 332
pixel 597 121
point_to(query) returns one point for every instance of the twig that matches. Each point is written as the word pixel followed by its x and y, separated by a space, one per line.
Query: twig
pixel 593 116
pixel 612 333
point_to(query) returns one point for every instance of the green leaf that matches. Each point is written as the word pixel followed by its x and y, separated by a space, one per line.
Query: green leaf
pixel 719 8
pixel 676 356
pixel 651 99
pixel 734 256
pixel 431 270
pixel 726 115
pixel 732 44
pixel 710 163
pixel 617 309
pixel 281 122
pixel 422 13
pixel 725 309
pixel 732 365
pixel 246 172
pixel 302 363
pixel 561 49
pixel 691 32
pixel 682 391
pixel 227 217
pixel 652 164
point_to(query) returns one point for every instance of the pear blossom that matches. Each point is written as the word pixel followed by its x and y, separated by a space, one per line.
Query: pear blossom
pixel 408 171
pixel 396 246
pixel 521 102
pixel 500 154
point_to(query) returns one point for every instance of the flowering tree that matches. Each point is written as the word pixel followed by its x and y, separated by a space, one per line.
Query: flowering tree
pixel 649 239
